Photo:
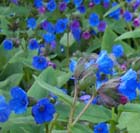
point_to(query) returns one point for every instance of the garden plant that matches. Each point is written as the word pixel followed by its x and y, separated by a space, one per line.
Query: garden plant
pixel 69 66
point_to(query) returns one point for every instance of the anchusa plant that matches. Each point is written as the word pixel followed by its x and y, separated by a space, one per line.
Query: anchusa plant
pixel 69 66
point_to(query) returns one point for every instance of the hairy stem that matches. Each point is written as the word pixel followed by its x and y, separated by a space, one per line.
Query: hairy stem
pixel 73 107
pixel 84 109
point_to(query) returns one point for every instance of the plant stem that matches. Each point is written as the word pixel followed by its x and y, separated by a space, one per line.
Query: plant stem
pixel 68 47
pixel 112 122
pixel 53 123
pixel 84 109
pixel 47 127
pixel 73 106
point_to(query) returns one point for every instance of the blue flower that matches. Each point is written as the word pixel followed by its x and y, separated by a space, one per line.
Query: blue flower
pixel 82 9
pixel 15 1
pixel 39 62
pixel 4 110
pixel 67 1
pixel 19 101
pixel 31 23
pixel 61 25
pixel 128 1
pixel 128 84
pixel 49 37
pixel 101 128
pixel 118 50
pixel 76 34
pixel 7 44
pixel 43 111
pixel 38 3
pixel 49 27
pixel 94 19
pixel 33 44
pixel 96 2
pixel 77 3
pixel 72 65
pixel 115 14
pixel 127 16
pixel 51 5
pixel 105 64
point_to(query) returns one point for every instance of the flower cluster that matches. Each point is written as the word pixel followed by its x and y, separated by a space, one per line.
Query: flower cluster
pixel 42 111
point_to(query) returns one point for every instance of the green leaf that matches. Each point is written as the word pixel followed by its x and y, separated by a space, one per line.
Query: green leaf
pixel 24 124
pixel 80 128
pixel 130 34
pixel 59 131
pixel 47 76
pixel 64 39
pixel 130 107
pixel 129 121
pixel 94 113
pixel 10 82
pixel 64 97
pixel 108 42
pixel 113 9
pixel 51 77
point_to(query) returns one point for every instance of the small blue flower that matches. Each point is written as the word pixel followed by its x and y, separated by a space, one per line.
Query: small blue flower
pixel 33 44
pixel 101 128
pixel 49 27
pixel 39 62
pixel 43 111
pixel 19 101
pixel 127 16
pixel 115 14
pixel 94 19
pixel 61 25
pixel 72 65
pixel 15 1
pixel 4 110
pixel 128 1
pixel 77 34
pixel 81 9
pixel 31 23
pixel 96 2
pixel 118 50
pixel 129 84
pixel 105 64
pixel 38 3
pixel 77 3
pixel 7 44
pixel 51 5
pixel 49 37
pixel 67 1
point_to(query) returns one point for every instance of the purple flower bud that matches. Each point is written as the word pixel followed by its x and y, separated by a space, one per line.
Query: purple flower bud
pixel 52 64
pixel 74 25
pixel 41 10
pixel 123 99
pixel 85 97
pixel 102 26
pixel 106 4
pixel 15 1
pixel 62 6
pixel 123 67
pixel 91 4
pixel 136 22
pixel 136 5
pixel 86 35
pixel 53 44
